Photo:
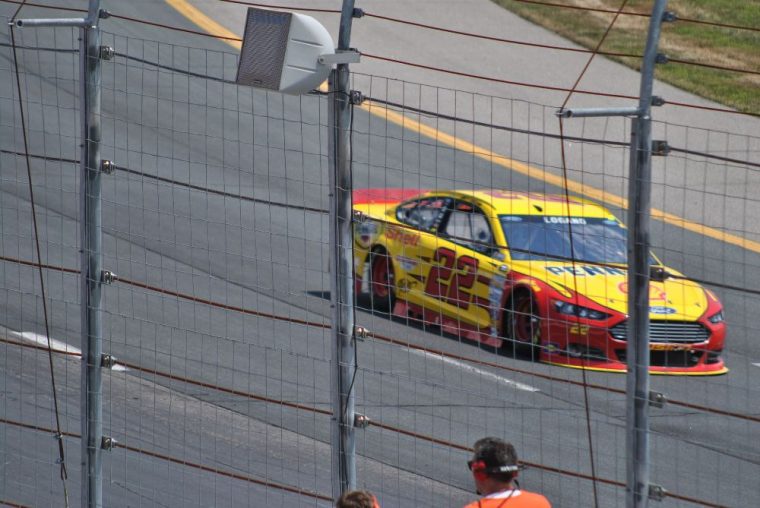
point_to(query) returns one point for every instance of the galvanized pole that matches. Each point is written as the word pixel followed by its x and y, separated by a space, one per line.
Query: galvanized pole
pixel 91 262
pixel 92 275
pixel 341 268
pixel 639 204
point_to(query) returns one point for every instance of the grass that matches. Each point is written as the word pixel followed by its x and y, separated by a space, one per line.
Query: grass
pixel 681 40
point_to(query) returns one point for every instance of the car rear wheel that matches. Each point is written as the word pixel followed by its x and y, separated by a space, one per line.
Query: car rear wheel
pixel 381 281
pixel 524 324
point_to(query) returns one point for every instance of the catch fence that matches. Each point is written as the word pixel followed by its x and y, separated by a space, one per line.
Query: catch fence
pixel 217 317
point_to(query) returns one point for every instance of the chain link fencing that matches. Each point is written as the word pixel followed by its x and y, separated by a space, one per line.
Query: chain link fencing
pixel 215 228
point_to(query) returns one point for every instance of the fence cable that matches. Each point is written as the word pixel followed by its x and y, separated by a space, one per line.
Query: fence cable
pixel 373 423
pixel 640 14
pixel 377 336
pixel 566 192
pixel 181 462
pixel 58 435
pixel 462 73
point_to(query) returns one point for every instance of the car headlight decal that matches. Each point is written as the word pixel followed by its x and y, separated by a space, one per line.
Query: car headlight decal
pixel 716 318
pixel 570 309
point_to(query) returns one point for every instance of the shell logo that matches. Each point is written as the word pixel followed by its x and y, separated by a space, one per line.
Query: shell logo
pixel 655 293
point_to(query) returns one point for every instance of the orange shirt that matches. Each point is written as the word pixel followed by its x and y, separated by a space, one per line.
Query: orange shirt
pixel 511 499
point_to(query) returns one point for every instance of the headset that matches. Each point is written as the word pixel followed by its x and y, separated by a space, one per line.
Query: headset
pixel 480 471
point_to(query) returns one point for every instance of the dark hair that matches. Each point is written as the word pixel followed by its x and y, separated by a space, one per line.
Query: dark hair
pixel 495 452
pixel 356 499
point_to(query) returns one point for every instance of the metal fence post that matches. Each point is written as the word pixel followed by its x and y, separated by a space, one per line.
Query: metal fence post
pixel 91 261
pixel 92 275
pixel 639 214
pixel 639 205
pixel 341 268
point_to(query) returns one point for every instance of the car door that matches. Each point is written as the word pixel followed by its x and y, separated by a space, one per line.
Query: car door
pixel 416 240
pixel 464 266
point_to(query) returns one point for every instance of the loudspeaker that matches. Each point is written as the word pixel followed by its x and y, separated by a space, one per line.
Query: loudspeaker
pixel 281 52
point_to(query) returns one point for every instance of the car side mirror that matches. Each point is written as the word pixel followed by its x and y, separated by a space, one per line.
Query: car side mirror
pixel 658 273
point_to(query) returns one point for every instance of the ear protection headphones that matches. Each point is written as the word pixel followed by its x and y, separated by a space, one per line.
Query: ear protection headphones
pixel 480 470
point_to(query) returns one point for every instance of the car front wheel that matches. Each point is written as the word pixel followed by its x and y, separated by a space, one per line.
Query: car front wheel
pixel 523 322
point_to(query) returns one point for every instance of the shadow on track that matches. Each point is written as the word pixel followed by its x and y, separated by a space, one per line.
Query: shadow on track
pixel 508 350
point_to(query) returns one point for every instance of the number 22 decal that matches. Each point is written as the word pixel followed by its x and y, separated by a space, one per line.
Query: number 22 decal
pixel 453 290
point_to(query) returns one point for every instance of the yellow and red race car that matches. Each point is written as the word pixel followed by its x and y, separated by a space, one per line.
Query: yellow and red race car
pixel 538 271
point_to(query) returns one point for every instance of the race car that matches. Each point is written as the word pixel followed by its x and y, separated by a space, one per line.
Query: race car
pixel 546 273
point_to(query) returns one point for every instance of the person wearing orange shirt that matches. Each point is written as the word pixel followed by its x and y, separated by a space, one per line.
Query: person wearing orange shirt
pixel 494 468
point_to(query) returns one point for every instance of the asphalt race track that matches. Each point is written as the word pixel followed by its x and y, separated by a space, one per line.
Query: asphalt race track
pixel 218 197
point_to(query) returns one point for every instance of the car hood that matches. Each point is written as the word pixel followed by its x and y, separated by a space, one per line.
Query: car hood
pixel 674 299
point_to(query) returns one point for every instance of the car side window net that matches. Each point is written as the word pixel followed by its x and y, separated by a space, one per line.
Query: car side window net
pixel 423 214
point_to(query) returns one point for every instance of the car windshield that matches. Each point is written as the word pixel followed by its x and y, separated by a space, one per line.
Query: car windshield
pixel 595 240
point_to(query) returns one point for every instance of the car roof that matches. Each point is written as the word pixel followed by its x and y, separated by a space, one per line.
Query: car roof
pixel 504 202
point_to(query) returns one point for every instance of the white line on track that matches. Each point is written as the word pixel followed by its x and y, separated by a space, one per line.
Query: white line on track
pixel 56 345
pixel 756 364
pixel 480 372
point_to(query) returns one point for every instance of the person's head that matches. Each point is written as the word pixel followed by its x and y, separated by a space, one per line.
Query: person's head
pixel 493 465
pixel 357 499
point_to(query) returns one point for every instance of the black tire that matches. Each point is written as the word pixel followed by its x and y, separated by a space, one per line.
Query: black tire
pixel 382 288
pixel 522 324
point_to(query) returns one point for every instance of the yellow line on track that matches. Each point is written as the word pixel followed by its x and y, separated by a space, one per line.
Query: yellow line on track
pixel 200 19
